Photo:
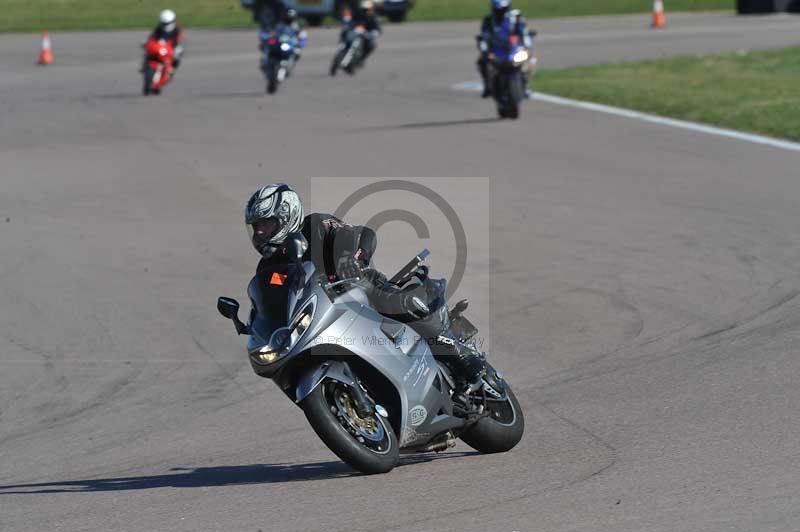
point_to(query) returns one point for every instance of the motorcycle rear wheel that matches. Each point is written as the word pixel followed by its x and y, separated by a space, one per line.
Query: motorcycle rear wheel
pixel 367 445
pixel 499 432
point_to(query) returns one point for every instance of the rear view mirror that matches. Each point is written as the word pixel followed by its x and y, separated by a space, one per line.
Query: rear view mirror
pixel 460 307
pixel 229 308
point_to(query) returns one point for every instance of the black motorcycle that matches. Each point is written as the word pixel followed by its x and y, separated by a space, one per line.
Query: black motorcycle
pixel 352 48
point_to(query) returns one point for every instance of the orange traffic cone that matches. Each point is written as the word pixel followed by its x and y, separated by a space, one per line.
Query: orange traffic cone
pixel 46 55
pixel 659 18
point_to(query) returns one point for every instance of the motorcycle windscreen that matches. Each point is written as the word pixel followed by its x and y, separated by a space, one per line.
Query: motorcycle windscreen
pixel 269 292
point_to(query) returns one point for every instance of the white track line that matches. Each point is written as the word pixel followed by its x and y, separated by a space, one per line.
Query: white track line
pixel 653 119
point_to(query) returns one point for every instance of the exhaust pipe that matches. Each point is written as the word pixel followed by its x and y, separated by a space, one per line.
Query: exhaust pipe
pixel 441 445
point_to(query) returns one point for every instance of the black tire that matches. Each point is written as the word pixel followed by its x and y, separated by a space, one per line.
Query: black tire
pixel 513 111
pixel 148 81
pixel 492 436
pixel 271 71
pixel 516 93
pixel 317 407
pixel 355 51
pixel 314 20
pixel 398 17
pixel 500 97
pixel 337 60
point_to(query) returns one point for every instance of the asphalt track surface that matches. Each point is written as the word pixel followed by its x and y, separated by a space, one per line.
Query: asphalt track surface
pixel 645 292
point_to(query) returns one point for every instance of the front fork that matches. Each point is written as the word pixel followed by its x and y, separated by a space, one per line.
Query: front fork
pixel 340 371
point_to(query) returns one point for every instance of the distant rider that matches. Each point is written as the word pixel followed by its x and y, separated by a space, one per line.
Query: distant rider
pixel 343 251
pixel 502 20
pixel 266 13
pixel 364 16
pixel 288 24
pixel 169 30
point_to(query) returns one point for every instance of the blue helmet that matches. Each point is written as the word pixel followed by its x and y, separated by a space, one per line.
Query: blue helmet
pixel 500 8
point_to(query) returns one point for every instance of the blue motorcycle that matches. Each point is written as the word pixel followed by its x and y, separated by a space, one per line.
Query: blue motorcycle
pixel 280 50
pixel 509 64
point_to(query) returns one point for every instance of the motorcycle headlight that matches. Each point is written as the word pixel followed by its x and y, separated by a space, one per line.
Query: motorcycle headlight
pixel 277 346
pixel 286 46
pixel 303 323
pixel 282 340
pixel 521 56
pixel 266 355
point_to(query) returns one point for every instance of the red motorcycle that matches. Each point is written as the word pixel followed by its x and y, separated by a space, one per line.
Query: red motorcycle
pixel 159 56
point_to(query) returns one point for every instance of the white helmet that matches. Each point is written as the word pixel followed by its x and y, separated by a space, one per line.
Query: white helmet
pixel 167 19
pixel 271 213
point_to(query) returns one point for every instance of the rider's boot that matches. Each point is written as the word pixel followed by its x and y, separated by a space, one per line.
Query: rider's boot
pixel 468 363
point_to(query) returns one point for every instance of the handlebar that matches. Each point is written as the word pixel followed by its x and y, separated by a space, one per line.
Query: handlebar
pixel 407 271
pixel 334 284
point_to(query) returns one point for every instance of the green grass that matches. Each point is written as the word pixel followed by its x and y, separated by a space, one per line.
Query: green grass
pixel 757 91
pixel 34 15
pixel 474 9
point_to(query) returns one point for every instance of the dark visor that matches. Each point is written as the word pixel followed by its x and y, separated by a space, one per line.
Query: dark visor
pixel 266 229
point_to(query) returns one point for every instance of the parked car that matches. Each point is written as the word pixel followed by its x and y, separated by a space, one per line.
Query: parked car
pixel 315 11
pixel 394 10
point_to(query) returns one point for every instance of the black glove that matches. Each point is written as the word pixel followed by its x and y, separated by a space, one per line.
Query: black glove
pixel 375 278
pixel 416 307
pixel 348 268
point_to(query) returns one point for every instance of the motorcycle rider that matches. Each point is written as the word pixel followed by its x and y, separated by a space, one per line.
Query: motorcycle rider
pixel 169 30
pixel 501 14
pixel 344 251
pixel 288 20
pixel 365 16
pixel 266 13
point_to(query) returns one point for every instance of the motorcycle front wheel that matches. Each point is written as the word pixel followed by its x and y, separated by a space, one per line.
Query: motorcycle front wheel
pixel 352 58
pixel 337 60
pixel 512 111
pixel 270 69
pixel 368 445
pixel 516 93
pixel 148 81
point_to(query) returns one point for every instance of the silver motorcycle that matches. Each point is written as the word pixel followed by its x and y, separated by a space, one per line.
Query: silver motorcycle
pixel 369 386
